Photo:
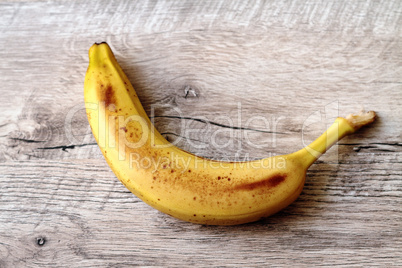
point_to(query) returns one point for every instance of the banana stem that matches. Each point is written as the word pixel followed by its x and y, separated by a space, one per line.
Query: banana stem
pixel 339 129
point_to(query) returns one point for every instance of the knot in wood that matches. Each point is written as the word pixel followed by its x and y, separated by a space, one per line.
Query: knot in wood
pixel 189 92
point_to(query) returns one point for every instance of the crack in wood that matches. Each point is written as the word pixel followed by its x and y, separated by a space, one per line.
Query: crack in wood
pixel 374 143
pixel 27 140
pixel 217 124
pixel 65 147
pixel 377 146
pixel 180 136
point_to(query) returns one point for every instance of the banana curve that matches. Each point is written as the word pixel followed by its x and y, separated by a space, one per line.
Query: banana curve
pixel 176 182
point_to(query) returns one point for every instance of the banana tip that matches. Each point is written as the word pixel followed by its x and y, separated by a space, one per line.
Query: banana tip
pixel 100 43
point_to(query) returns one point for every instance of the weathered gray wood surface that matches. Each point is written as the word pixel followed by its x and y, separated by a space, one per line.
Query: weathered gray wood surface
pixel 261 77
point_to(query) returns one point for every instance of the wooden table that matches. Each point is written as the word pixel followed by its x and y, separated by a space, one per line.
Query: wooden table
pixel 227 80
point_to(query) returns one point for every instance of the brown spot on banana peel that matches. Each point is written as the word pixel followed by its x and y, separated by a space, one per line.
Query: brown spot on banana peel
pixel 109 96
pixel 270 182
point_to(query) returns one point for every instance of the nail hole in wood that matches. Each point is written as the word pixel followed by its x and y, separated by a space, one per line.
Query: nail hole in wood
pixel 40 241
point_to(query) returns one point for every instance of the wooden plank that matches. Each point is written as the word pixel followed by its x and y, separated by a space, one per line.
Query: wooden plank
pixel 309 70
pixel 229 80
pixel 88 218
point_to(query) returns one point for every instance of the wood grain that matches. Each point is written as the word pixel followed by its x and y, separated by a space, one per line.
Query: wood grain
pixel 89 218
pixel 229 80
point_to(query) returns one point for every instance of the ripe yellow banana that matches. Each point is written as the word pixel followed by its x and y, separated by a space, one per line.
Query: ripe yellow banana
pixel 179 183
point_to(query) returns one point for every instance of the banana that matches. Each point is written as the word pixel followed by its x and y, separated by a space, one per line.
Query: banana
pixel 179 183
